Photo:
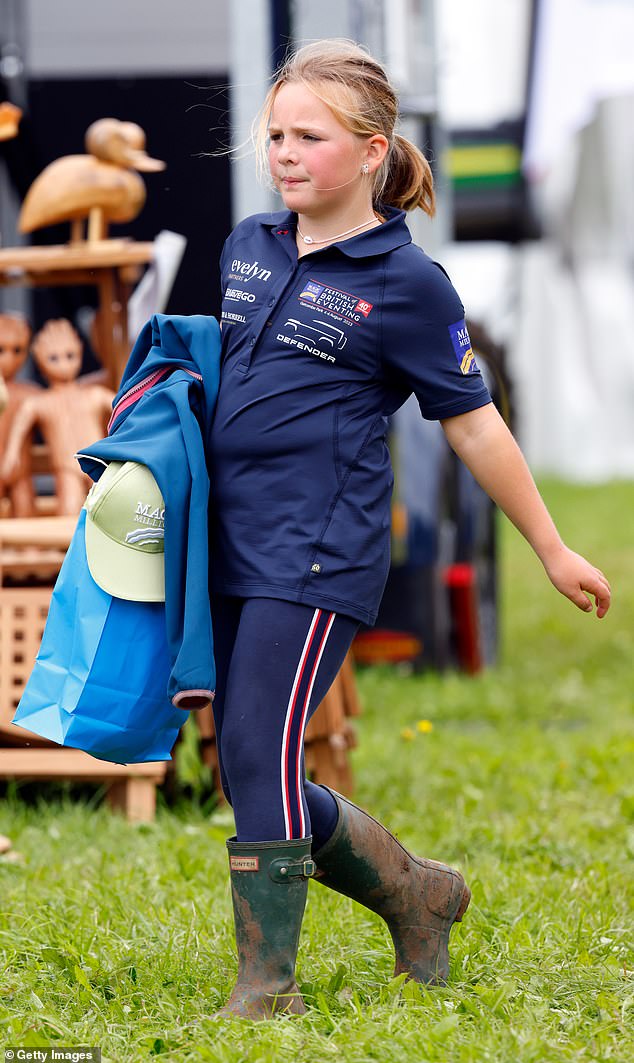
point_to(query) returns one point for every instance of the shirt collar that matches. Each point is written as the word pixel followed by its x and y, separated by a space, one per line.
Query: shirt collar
pixel 391 234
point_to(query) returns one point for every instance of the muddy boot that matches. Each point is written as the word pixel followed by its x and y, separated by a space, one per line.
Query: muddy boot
pixel 420 900
pixel 269 883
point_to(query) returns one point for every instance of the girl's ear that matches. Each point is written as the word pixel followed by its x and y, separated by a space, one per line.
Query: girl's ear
pixel 377 147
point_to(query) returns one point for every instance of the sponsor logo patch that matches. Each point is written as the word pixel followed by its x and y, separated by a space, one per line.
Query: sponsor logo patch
pixel 240 295
pixel 335 301
pixel 320 338
pixel 247 271
pixel 312 291
pixel 244 863
pixel 461 343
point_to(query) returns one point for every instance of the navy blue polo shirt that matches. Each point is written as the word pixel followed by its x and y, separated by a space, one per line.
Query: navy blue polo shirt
pixel 316 354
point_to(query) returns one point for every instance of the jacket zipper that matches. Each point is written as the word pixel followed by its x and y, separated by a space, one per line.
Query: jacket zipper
pixel 135 393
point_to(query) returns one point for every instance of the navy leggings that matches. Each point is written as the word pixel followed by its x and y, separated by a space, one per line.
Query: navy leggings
pixel 275 661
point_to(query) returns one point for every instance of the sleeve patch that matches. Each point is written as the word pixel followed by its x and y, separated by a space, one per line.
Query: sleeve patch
pixel 461 343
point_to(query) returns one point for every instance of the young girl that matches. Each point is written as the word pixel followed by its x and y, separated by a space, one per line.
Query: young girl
pixel 331 319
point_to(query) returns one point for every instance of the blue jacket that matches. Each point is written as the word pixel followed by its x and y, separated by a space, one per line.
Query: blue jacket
pixel 161 417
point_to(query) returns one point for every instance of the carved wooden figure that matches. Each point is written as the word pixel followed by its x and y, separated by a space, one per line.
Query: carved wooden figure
pixel 15 335
pixel 100 186
pixel 68 414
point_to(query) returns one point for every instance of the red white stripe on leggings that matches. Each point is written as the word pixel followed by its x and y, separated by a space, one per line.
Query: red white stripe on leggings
pixel 295 724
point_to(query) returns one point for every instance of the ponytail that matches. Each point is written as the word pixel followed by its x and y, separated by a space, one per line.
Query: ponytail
pixel 405 179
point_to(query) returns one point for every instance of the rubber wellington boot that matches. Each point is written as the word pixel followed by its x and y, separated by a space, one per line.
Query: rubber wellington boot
pixel 420 900
pixel 269 883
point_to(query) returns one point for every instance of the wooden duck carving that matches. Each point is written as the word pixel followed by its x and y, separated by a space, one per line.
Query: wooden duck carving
pixel 101 186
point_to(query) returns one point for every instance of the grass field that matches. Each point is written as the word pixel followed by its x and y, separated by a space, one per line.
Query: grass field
pixel 120 936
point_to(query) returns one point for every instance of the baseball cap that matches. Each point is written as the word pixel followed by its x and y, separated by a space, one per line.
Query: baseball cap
pixel 125 520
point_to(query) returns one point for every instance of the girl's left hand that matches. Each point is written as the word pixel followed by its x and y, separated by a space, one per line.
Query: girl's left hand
pixel 576 578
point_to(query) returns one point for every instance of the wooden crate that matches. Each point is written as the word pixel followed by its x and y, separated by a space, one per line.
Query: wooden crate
pixel 23 612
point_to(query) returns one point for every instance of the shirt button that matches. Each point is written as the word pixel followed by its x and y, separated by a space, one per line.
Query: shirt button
pixel 252 340
pixel 271 302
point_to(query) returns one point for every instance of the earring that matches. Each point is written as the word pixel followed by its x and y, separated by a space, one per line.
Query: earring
pixel 365 168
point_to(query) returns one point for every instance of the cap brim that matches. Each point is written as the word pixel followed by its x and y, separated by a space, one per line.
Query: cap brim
pixel 124 573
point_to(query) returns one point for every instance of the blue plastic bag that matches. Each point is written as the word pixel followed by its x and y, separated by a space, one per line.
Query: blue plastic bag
pixel 100 677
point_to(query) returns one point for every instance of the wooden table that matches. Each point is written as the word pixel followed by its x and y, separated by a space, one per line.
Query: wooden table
pixel 112 266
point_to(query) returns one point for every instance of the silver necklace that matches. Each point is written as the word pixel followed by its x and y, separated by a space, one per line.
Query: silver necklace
pixel 331 239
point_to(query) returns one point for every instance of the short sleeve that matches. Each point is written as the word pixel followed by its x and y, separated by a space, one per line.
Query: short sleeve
pixel 425 339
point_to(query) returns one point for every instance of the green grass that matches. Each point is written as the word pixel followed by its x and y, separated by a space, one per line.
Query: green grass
pixel 120 936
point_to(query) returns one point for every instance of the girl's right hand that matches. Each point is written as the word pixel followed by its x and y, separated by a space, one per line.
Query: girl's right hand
pixel 576 579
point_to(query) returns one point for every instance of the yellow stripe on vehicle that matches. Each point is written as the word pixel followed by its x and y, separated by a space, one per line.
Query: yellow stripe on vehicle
pixel 471 160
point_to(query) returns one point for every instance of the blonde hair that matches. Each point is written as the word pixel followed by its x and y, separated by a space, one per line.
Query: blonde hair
pixel 356 89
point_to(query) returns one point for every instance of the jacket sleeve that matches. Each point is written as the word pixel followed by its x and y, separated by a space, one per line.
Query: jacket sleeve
pixel 163 432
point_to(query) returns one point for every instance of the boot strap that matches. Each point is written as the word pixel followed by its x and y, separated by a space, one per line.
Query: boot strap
pixel 283 870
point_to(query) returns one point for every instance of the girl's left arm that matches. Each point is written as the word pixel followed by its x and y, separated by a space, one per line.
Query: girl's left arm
pixel 483 442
